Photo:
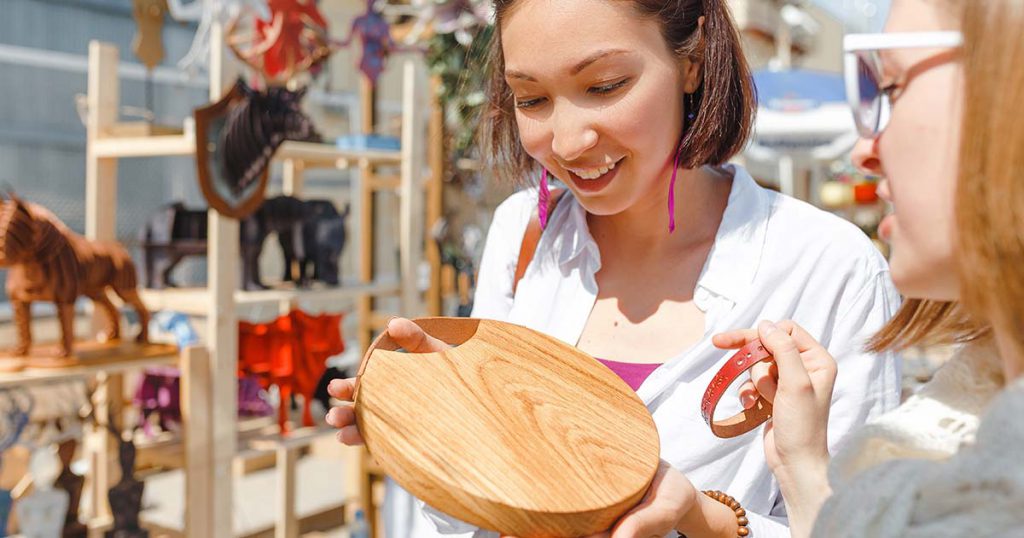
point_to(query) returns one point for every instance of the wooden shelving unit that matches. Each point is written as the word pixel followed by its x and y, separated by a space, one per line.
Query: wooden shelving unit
pixel 209 372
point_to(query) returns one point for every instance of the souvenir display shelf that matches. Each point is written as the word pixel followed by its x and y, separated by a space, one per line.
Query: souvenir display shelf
pixel 94 358
pixel 208 391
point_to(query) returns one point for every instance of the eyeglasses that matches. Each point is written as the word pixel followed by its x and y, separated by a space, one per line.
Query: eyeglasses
pixel 870 101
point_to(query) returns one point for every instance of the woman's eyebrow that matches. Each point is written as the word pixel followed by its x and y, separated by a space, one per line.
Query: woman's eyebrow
pixel 593 58
pixel 574 70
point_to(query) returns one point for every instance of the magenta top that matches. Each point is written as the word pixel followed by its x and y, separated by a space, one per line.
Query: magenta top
pixel 633 374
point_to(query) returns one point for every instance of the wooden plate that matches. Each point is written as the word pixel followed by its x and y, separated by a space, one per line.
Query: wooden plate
pixel 511 430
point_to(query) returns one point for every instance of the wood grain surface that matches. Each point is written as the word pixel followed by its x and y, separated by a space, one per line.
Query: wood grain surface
pixel 510 430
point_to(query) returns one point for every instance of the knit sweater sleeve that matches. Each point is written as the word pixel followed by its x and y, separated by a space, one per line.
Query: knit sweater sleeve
pixel 976 491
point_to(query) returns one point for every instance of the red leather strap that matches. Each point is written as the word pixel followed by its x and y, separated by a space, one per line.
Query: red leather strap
pixel 745 420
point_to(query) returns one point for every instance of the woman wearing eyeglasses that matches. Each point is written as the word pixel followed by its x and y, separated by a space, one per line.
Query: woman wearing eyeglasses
pixel 937 100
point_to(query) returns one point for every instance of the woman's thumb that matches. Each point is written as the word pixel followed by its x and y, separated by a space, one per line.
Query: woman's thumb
pixel 783 348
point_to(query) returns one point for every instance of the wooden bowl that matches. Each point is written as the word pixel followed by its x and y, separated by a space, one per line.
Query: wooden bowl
pixel 511 430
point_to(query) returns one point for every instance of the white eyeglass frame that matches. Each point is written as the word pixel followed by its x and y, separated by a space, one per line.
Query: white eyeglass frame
pixel 865 47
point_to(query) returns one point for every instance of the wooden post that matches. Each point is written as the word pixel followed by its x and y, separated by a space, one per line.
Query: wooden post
pixel 101 173
pixel 292 176
pixel 287 522
pixel 100 224
pixel 435 190
pixel 195 406
pixel 222 333
pixel 369 503
pixel 102 448
pixel 365 305
pixel 411 194
pixel 368 104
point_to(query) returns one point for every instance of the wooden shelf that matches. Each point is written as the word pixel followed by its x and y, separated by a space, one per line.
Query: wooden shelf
pixel 310 154
pixel 327 155
pixel 196 301
pixel 94 358
pixel 256 436
pixel 146 146
pixel 272 439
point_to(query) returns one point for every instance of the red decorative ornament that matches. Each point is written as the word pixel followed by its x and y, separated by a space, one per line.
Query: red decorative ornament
pixel 292 41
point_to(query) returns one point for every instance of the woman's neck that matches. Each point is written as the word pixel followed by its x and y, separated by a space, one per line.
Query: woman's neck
pixel 701 196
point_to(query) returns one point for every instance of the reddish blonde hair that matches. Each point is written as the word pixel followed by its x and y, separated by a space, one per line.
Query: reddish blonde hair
pixel 990 192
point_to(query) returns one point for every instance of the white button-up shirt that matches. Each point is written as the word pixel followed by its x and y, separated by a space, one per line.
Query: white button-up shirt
pixel 774 258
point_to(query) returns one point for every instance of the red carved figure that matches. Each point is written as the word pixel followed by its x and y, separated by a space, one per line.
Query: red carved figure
pixel 49 262
pixel 292 41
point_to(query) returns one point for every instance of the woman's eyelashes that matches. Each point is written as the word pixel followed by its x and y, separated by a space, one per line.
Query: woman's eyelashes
pixel 527 103
pixel 604 89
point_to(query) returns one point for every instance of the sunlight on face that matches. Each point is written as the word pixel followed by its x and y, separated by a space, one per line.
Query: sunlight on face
pixel 598 97
pixel 917 155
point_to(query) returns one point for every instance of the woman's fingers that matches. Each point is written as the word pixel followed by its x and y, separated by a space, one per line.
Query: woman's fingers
pixel 342 389
pixel 765 378
pixel 341 416
pixel 734 339
pixel 412 337
pixel 748 394
pixel 350 435
pixel 763 383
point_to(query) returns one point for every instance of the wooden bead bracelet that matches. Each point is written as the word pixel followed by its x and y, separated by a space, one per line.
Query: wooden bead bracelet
pixel 728 500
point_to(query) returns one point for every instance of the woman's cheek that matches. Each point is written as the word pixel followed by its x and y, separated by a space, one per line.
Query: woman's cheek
pixel 531 135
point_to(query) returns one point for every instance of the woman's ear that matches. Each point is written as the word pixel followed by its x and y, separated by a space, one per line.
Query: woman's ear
pixel 693 72
pixel 692 66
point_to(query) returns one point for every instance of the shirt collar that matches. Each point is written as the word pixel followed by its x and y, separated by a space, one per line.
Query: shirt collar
pixel 734 258
pixel 736 255
pixel 577 238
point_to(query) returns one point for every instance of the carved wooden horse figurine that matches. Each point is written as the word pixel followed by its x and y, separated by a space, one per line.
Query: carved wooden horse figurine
pixel 49 262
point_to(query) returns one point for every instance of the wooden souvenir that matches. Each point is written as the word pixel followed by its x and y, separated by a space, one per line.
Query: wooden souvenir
pixel 49 262
pixel 126 496
pixel 71 483
pixel 236 137
pixel 374 32
pixel 510 430
pixel 41 513
pixel 222 192
pixel 311 233
pixel 292 41
pixel 148 44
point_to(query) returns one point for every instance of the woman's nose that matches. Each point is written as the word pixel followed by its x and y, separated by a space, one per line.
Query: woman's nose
pixel 865 156
pixel 572 136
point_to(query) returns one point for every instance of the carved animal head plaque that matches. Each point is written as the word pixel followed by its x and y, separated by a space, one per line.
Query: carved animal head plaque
pixel 511 430
pixel 232 196
pixel 236 138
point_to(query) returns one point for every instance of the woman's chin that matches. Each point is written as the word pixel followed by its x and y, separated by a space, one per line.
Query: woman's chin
pixel 917 277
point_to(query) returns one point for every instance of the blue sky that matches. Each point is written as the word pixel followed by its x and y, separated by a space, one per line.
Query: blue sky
pixel 859 15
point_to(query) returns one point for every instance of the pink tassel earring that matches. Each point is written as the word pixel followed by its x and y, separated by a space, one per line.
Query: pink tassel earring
pixel 691 114
pixel 672 191
pixel 543 195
